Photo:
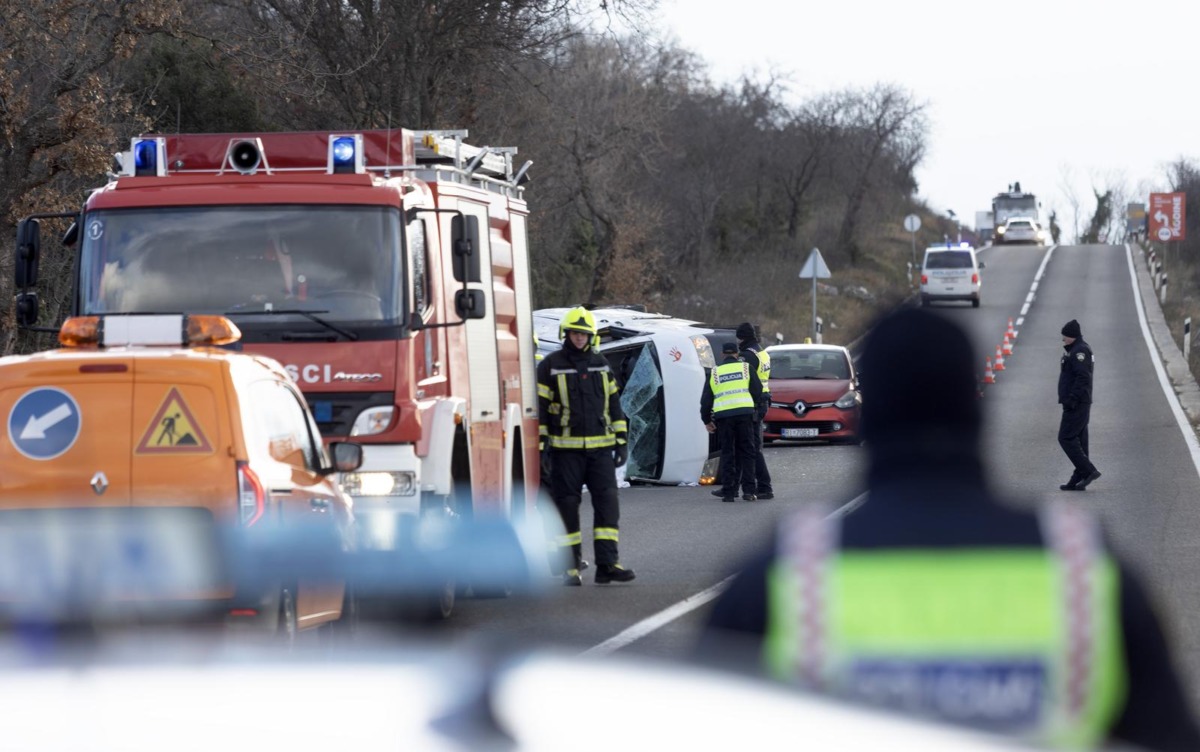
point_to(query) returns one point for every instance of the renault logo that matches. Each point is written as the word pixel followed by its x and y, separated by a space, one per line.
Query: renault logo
pixel 799 408
pixel 99 483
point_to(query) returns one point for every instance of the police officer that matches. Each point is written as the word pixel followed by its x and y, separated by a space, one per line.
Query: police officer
pixel 1075 396
pixel 756 355
pixel 581 431
pixel 934 597
pixel 727 406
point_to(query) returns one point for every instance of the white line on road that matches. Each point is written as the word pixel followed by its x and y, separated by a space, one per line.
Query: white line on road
pixel 689 604
pixel 1189 435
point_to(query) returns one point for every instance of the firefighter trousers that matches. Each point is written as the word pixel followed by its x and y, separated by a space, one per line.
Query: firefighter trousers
pixel 595 468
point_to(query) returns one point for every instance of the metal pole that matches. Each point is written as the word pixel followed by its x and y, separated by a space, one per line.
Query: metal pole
pixel 1187 338
pixel 1164 289
pixel 814 323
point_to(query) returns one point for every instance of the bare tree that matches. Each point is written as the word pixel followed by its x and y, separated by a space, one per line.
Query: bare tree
pixel 62 109
pixel 882 122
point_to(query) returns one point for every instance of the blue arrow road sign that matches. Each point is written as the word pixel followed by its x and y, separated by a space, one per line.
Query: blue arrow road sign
pixel 44 423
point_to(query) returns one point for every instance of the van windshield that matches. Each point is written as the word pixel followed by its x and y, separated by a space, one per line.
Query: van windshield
pixel 338 260
pixel 949 260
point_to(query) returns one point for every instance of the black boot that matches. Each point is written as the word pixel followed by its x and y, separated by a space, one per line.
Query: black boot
pixel 606 573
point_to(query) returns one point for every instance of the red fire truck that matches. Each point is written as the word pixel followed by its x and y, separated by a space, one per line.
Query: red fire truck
pixel 387 270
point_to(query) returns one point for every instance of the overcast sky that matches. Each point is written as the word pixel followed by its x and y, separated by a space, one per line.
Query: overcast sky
pixel 1049 93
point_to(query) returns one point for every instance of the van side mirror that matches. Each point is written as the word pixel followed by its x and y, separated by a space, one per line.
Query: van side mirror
pixel 347 456
pixel 29 246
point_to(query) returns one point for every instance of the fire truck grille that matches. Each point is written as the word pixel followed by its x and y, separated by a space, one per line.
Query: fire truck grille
pixel 336 411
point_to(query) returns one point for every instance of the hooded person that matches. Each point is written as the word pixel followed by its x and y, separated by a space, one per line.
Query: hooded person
pixel 933 581
pixel 727 407
pixel 756 355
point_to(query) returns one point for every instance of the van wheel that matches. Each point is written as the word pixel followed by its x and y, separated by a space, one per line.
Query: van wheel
pixel 975 303
pixel 924 300
pixel 441 604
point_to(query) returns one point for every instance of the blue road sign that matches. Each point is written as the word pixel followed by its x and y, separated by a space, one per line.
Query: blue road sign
pixel 44 423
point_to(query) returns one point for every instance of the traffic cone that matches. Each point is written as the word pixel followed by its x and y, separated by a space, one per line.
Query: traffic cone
pixel 1012 333
pixel 1006 348
pixel 988 376
pixel 999 359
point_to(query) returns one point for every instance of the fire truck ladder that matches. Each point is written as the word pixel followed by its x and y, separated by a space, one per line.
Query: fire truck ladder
pixel 447 147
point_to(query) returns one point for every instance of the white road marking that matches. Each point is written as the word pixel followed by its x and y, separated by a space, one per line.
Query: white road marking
pixel 689 604
pixel 1189 435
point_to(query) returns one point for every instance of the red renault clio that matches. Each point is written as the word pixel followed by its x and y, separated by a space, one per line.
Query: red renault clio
pixel 814 394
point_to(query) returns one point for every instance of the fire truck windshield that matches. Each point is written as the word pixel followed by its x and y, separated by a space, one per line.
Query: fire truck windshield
pixel 340 261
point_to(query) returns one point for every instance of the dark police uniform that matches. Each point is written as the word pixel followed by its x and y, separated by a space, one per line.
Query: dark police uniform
pixel 1075 395
pixel 730 398
pixel 752 352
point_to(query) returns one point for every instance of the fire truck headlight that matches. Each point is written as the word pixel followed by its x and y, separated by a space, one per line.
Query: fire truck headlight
pixel 401 483
pixel 373 420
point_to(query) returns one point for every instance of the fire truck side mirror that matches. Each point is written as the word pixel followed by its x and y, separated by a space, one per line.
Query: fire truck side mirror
pixel 464 236
pixel 27 309
pixel 470 304
pixel 29 245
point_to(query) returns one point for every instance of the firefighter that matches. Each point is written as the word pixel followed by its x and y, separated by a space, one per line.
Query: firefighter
pixel 727 407
pixel 756 355
pixel 581 432
pixel 934 583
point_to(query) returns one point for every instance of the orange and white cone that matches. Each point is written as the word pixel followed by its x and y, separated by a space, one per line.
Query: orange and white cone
pixel 1012 333
pixel 988 376
pixel 999 359
pixel 1006 348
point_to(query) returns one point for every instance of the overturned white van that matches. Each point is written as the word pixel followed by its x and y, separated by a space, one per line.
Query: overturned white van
pixel 661 362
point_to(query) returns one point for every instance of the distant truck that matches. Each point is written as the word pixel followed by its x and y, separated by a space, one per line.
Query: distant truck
pixel 1011 204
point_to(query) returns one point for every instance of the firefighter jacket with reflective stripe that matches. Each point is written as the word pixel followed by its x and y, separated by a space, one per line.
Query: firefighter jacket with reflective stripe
pixel 1022 640
pixel 579 402
pixel 731 389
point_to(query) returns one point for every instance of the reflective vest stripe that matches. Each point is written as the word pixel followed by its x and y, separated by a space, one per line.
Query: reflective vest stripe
pixel 582 442
pixel 730 384
pixel 545 392
pixel 764 368
pixel 605 533
pixel 564 419
pixel 1028 636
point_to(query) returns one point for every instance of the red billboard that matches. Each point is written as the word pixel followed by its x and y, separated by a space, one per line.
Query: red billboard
pixel 1167 216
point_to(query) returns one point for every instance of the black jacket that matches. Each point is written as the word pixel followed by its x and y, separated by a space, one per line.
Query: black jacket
pixel 749 352
pixel 1075 376
pixel 907 508
pixel 587 378
pixel 706 397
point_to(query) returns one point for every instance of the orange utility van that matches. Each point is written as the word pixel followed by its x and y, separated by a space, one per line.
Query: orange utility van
pixel 147 413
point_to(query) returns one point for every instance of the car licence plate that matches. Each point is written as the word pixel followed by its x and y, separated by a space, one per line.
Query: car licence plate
pixel 798 433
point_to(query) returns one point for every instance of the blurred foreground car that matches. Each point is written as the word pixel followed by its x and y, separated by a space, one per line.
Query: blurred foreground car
pixel 814 394
pixel 133 451
pixel 1020 230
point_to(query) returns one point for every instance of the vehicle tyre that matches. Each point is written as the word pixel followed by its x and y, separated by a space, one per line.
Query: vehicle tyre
pixel 975 303
pixel 924 300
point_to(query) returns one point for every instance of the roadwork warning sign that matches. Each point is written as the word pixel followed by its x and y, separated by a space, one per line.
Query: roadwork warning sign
pixel 174 430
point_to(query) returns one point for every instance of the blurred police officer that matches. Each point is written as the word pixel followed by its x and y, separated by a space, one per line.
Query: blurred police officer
pixel 727 406
pixel 1075 396
pixel 757 356
pixel 935 598
pixel 581 431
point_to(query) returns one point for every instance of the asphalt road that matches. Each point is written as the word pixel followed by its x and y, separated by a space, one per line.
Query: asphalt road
pixel 682 541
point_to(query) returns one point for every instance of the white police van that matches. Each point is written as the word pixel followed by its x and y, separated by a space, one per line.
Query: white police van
pixel 951 273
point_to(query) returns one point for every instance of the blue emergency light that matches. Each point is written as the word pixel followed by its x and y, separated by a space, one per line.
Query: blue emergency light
pixel 344 153
pixel 145 157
